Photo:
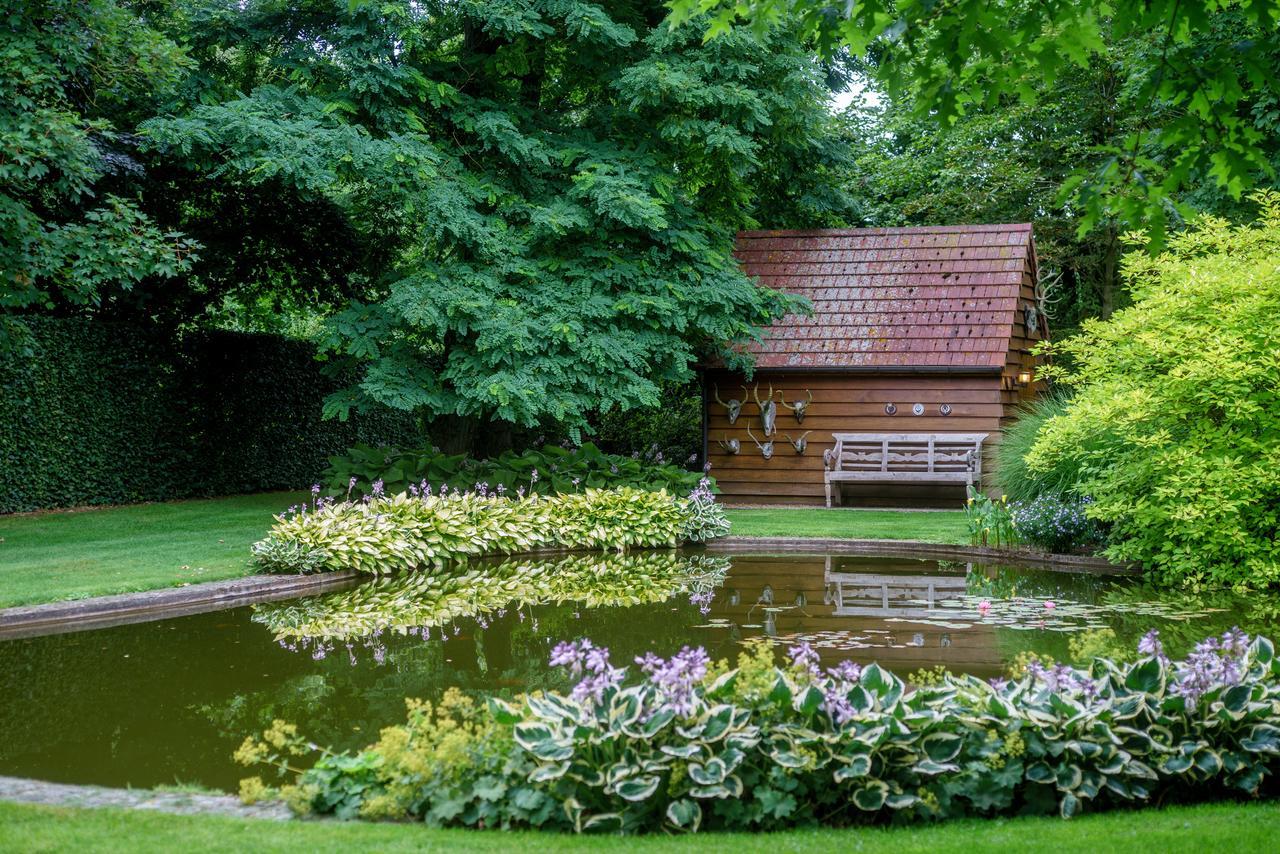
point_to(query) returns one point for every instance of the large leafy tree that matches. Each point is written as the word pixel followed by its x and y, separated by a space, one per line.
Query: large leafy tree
pixel 1204 71
pixel 554 184
pixel 73 73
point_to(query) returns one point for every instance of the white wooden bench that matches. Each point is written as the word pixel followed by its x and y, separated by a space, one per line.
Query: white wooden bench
pixel 903 458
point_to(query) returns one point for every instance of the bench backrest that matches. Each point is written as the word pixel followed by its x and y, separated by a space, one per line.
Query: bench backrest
pixel 908 452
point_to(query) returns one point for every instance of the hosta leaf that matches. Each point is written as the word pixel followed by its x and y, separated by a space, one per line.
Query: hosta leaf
pixel 1263 738
pixel 1147 676
pixel 871 796
pixel 604 821
pixel 1069 806
pixel 503 712
pixel 553 771
pixel 637 788
pixel 941 746
pixel 683 751
pixel 685 814
pixel 859 766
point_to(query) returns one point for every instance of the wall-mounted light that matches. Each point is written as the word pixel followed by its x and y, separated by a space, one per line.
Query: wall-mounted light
pixel 1024 378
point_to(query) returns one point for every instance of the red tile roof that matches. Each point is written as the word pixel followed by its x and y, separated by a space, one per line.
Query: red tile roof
pixel 943 296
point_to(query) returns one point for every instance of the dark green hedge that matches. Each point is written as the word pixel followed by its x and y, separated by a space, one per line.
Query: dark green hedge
pixel 95 413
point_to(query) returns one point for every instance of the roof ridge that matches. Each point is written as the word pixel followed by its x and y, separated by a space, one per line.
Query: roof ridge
pixel 879 230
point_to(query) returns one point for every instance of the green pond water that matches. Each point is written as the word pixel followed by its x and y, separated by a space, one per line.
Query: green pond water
pixel 168 701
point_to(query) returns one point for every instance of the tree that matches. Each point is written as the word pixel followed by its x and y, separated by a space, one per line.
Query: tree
pixel 70 72
pixel 556 185
pixel 1205 71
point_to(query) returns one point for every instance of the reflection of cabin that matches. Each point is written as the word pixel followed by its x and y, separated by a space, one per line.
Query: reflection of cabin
pixel 884 609
pixel 914 331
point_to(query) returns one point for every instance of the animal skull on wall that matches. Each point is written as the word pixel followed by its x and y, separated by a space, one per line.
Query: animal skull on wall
pixel 801 443
pixel 800 408
pixel 729 446
pixel 732 407
pixel 766 450
pixel 768 410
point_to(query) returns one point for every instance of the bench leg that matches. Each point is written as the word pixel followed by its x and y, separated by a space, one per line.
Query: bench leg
pixel 827 484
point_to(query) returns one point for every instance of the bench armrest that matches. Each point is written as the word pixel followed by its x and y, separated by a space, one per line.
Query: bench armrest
pixel 829 459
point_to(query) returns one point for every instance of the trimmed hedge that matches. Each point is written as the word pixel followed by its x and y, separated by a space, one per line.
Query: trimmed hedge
pixel 102 413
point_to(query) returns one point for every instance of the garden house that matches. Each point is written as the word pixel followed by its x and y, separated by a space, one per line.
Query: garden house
pixel 894 390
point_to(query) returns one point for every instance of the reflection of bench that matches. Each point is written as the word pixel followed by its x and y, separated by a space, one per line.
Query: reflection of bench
pixel 903 458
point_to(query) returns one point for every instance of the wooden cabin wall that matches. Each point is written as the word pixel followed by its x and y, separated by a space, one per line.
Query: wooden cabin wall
pixel 842 403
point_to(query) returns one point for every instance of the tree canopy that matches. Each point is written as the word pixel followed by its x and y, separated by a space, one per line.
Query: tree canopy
pixel 71 73
pixel 1204 69
pixel 553 186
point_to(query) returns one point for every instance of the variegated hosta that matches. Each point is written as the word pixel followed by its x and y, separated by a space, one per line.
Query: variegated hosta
pixel 696 746
pixel 1056 739
pixel 408 532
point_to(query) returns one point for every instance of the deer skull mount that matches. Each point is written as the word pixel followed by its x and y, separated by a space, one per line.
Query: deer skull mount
pixel 733 407
pixel 800 408
pixel 801 443
pixel 729 446
pixel 768 410
pixel 766 450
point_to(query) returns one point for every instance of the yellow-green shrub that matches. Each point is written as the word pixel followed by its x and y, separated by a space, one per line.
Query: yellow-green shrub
pixel 1175 424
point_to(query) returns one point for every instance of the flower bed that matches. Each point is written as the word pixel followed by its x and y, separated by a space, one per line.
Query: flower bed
pixel 417 529
pixel 691 744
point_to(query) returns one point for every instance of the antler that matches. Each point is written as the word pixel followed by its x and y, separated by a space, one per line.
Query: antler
pixel 751 437
pixel 715 392
pixel 755 392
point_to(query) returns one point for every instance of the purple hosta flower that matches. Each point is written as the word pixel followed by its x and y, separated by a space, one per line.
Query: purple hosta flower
pixel 803 657
pixel 835 702
pixel 613 468
pixel 998 684
pixel 320 652
pixel 575 483
pixel 413 490
pixel 846 671
pixel 444 489
pixel 591 662
pixel 379 655
pixel 1150 645
pixel 702 600
pixel 482 489
pixel 676 678
pixel 501 489
pixel 533 476
pixel 1213 663
pixel 520 493
pixel 706 467
pixel 377 488
pixel 351 484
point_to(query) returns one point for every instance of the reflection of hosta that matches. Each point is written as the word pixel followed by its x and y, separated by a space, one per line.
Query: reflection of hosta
pixel 426 600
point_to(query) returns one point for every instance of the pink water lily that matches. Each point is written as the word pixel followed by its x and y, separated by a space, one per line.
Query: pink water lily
pixel 983 607
pixel 1049 605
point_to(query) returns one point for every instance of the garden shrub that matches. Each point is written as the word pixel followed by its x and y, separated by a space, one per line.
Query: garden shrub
pixel 547 470
pixel 684 744
pixel 1016 480
pixel 110 413
pixel 419 529
pixel 1174 426
pixel 1057 524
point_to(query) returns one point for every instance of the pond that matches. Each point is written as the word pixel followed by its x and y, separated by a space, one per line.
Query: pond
pixel 168 701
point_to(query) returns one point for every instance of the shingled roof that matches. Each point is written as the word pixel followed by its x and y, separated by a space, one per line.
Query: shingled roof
pixel 931 297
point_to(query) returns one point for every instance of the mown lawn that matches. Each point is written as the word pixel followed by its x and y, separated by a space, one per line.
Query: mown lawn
pixel 49 557
pixel 1239 828
pixel 933 526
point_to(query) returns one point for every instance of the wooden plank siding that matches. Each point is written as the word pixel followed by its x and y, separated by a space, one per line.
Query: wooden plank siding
pixel 841 403
pixel 880 334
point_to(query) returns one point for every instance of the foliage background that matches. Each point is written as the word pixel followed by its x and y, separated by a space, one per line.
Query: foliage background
pixel 100 413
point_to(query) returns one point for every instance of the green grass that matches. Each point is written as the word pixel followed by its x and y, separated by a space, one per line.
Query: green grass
pixel 49 557
pixel 1241 828
pixel 942 526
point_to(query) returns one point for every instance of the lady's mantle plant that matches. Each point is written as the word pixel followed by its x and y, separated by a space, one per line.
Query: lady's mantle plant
pixel 418 529
pixel 693 745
